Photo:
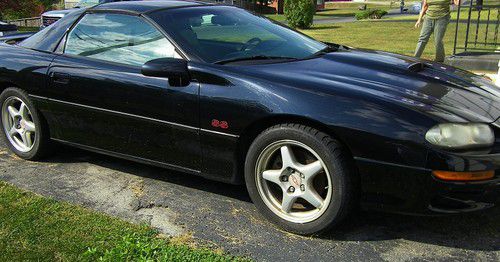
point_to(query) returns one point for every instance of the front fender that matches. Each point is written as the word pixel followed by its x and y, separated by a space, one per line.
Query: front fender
pixel 370 127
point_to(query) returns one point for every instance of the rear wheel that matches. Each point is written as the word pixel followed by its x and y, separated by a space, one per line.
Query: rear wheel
pixel 26 135
pixel 299 178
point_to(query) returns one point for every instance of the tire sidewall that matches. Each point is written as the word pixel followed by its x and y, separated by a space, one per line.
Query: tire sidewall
pixel 15 92
pixel 336 170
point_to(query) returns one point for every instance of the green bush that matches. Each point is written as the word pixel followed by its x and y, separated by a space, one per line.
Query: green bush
pixel 299 13
pixel 371 14
pixel 16 9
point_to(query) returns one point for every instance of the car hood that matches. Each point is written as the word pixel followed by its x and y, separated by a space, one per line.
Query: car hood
pixel 443 91
pixel 59 13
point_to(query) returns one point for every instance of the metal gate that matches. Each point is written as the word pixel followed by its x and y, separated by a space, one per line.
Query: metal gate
pixel 477 27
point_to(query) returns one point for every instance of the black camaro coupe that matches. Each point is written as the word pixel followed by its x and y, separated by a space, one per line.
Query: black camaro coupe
pixel 313 129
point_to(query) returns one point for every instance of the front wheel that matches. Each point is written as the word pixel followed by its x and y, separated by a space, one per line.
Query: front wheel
pixel 23 129
pixel 299 178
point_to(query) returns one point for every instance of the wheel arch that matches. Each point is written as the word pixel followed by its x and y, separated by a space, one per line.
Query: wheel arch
pixel 41 146
pixel 6 84
pixel 257 127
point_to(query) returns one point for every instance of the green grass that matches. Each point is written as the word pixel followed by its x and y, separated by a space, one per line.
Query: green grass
pixel 35 228
pixel 396 37
pixel 28 29
pixel 464 14
pixel 392 34
pixel 336 10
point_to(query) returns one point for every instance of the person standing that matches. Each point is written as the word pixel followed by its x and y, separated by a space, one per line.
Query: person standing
pixel 402 6
pixel 436 17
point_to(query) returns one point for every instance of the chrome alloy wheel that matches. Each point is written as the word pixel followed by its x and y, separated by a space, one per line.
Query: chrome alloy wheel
pixel 293 181
pixel 18 124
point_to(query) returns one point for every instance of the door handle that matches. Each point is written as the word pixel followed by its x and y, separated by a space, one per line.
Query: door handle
pixel 60 78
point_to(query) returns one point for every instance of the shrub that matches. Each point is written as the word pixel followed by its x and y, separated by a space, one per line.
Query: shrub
pixel 371 14
pixel 15 9
pixel 299 13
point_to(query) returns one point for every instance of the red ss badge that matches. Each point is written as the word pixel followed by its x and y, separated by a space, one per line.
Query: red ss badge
pixel 220 124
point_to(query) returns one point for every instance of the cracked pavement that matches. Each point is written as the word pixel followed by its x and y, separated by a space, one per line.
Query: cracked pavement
pixel 221 216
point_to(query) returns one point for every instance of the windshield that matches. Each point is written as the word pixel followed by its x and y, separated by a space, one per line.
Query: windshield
pixel 87 3
pixel 224 33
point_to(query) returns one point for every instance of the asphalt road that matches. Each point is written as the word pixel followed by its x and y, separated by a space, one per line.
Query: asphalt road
pixel 222 216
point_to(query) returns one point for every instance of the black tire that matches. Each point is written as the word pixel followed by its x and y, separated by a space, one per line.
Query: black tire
pixel 42 145
pixel 337 161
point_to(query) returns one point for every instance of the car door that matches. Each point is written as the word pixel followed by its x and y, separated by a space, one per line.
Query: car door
pixel 100 99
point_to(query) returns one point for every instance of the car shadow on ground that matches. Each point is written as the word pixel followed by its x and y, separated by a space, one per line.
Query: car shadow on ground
pixel 66 154
pixel 473 231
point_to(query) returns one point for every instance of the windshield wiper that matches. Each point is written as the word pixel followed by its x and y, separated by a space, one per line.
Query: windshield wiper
pixel 326 50
pixel 256 57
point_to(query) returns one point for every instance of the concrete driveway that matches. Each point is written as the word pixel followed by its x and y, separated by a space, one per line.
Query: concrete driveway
pixel 222 216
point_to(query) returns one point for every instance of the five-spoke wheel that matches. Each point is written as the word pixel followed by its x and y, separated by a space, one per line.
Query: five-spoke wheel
pixel 293 182
pixel 18 124
pixel 25 133
pixel 299 178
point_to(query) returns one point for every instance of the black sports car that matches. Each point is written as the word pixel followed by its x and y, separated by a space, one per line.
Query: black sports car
pixel 312 128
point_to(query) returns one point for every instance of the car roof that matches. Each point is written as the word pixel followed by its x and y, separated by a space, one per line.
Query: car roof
pixel 146 6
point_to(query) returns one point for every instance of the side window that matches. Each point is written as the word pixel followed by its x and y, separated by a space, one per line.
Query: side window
pixel 118 38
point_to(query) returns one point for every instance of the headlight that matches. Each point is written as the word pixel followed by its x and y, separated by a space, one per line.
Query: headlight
pixel 460 135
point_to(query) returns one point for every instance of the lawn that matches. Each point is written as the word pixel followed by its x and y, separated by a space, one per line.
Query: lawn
pixel 464 14
pixel 35 228
pixel 374 35
pixel 335 10
pixel 393 34
pixel 347 9
pixel 343 9
pixel 397 37
pixel 28 29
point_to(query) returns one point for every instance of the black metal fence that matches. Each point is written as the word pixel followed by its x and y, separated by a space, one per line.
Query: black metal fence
pixel 477 26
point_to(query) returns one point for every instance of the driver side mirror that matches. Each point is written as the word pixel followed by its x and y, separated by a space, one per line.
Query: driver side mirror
pixel 176 70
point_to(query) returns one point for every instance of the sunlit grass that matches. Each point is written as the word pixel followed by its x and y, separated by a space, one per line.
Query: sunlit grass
pixel 336 10
pixel 396 37
pixel 34 228
pixel 464 14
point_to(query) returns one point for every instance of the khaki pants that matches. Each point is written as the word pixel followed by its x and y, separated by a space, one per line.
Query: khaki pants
pixel 438 26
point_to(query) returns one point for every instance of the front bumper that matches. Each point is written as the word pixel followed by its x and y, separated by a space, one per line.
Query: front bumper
pixel 412 190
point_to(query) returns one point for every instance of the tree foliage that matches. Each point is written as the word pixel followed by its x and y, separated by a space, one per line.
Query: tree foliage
pixel 48 3
pixel 14 9
pixel 299 13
